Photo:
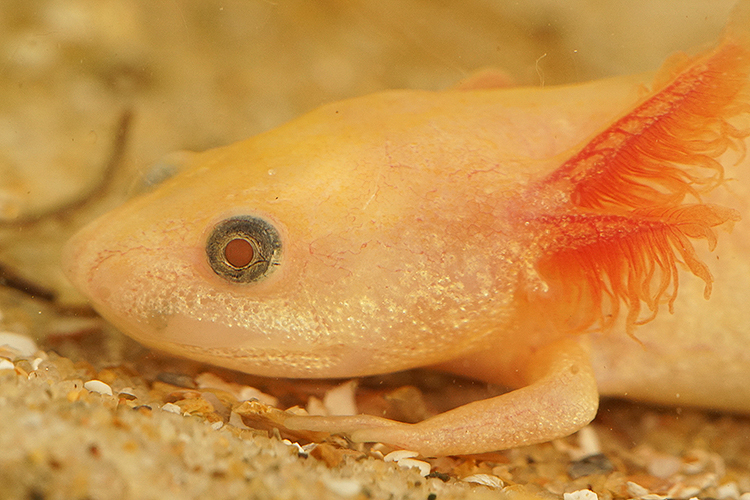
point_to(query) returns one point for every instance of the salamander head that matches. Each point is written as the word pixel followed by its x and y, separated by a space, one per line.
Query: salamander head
pixel 289 254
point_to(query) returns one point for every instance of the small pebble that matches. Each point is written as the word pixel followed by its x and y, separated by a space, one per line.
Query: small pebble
pixel 171 408
pixel 397 455
pixel 315 407
pixel 405 458
pixel 581 495
pixel 128 391
pixel 343 487
pixel 693 485
pixel 340 400
pixel 728 491
pixel 590 465
pixel 636 490
pixel 98 386
pixel 248 393
pixel 300 449
pixel 22 344
pixel 485 479
pixel 309 447
pixel 664 466
pixel 588 441
pixel 407 463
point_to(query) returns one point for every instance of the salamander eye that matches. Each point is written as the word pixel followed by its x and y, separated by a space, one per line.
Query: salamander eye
pixel 243 249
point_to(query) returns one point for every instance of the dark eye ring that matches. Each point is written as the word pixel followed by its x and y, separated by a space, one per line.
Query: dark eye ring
pixel 243 249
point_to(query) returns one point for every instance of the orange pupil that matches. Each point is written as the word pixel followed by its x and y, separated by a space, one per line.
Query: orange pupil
pixel 239 253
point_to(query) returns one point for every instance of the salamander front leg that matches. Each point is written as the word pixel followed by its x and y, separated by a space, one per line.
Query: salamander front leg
pixel 560 398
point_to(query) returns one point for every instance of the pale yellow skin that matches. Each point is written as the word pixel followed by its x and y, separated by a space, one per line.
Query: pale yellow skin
pixel 397 253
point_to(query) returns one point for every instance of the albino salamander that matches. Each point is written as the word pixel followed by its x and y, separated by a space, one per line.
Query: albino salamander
pixel 567 242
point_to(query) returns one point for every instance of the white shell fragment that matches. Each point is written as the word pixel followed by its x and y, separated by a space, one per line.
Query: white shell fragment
pixel 408 463
pixel 315 407
pixel 22 344
pixel 588 441
pixel 247 393
pixel 581 495
pixel 171 408
pixel 98 386
pixel 485 479
pixel 128 390
pixel 636 490
pixel 405 459
pixel 295 444
pixel 6 364
pixel 340 400
pixel 397 455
